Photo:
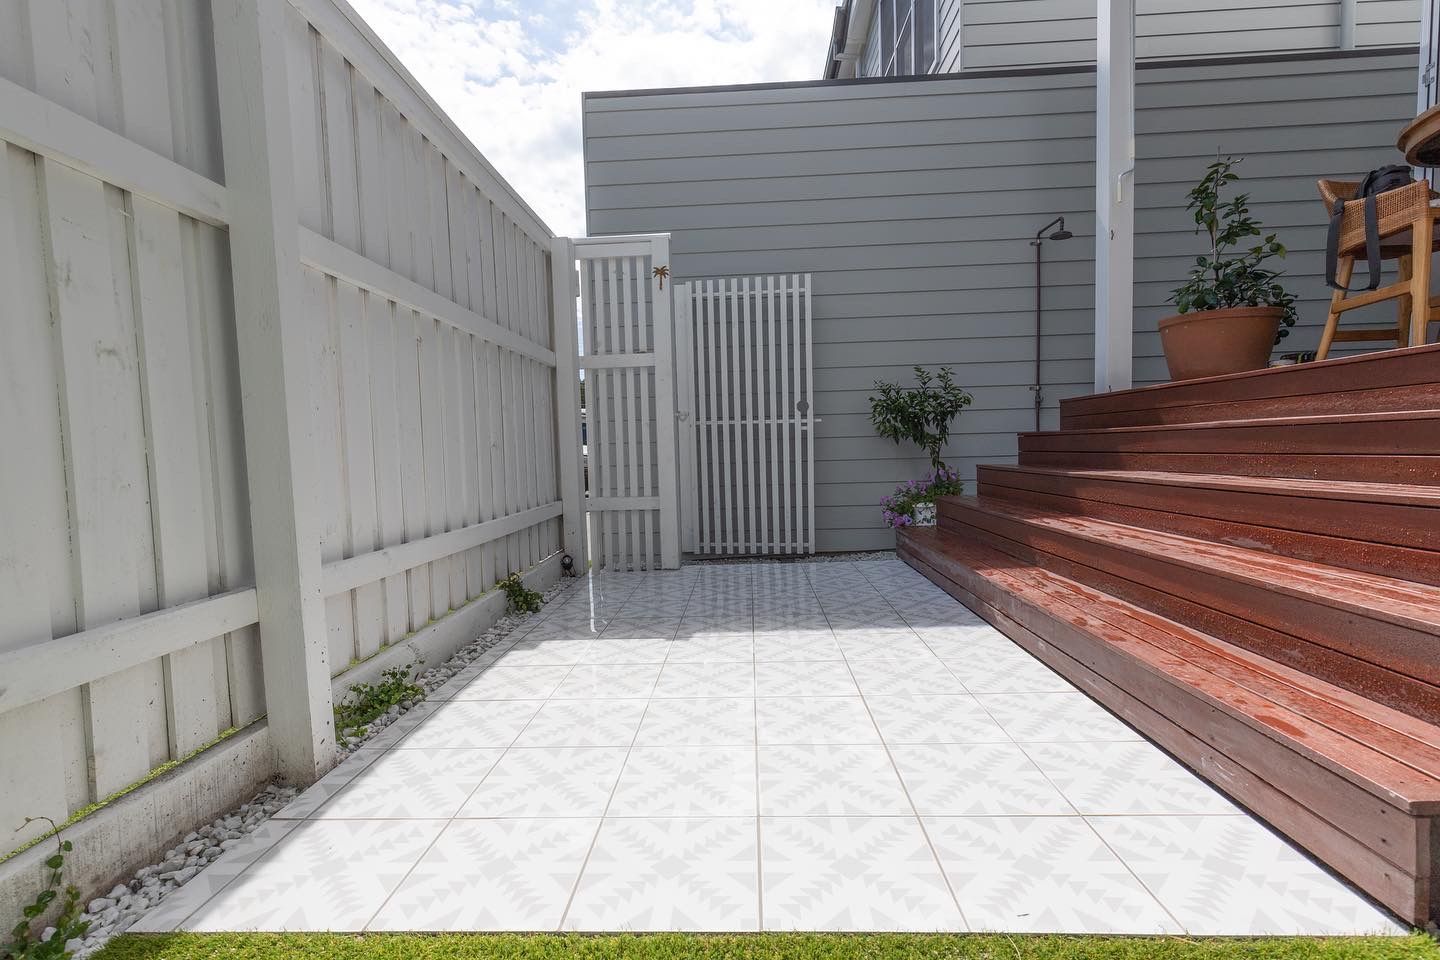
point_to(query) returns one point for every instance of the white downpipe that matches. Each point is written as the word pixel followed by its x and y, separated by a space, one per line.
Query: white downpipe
pixel 1114 195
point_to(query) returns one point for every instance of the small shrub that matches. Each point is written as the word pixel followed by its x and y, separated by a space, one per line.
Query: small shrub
pixel 366 701
pixel 898 509
pixel 24 945
pixel 1231 274
pixel 920 414
pixel 521 598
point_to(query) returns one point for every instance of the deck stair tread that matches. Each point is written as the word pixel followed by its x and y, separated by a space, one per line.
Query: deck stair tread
pixel 1373 373
pixel 1409 494
pixel 1387 753
pixel 1359 427
pixel 1402 602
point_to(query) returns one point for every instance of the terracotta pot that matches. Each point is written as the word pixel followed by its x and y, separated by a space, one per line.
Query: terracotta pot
pixel 1211 343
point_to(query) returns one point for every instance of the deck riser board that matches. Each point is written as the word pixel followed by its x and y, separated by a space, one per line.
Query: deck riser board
pixel 1364 436
pixel 1386 399
pixel 1358 536
pixel 1395 467
pixel 1379 660
pixel 1372 371
pixel 1302 812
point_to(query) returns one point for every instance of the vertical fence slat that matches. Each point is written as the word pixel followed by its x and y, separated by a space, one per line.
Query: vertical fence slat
pixel 796 319
pixel 809 544
pixel 765 406
pixel 381 323
pixel 787 408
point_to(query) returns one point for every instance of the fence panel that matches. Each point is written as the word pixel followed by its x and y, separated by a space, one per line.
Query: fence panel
pixel 128 614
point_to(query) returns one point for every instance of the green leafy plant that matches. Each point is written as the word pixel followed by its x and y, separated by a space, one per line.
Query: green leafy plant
pixel 921 414
pixel 366 701
pixel 521 598
pixel 1232 274
pixel 24 945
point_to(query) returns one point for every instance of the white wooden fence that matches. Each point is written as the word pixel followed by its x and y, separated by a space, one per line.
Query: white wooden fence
pixel 244 260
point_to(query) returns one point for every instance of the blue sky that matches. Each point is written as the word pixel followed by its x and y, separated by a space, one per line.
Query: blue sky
pixel 510 72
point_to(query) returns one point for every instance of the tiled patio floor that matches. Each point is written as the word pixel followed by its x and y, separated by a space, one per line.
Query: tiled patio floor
pixel 823 746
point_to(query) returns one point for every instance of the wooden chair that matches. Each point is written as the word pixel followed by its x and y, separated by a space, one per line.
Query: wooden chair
pixel 1407 234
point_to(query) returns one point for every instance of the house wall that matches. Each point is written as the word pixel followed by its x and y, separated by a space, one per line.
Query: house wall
pixel 913 204
pixel 1018 33
pixel 425 398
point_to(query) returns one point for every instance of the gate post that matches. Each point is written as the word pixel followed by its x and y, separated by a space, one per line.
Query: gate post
pixel 567 400
pixel 665 406
pixel 274 387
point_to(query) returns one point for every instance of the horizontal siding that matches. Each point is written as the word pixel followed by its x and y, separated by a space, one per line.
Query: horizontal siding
pixel 913 205
pixel 1014 33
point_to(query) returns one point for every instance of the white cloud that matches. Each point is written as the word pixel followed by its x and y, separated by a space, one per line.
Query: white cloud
pixel 510 72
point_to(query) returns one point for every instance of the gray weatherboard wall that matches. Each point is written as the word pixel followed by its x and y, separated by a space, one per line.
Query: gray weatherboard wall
pixel 913 203
pixel 986 34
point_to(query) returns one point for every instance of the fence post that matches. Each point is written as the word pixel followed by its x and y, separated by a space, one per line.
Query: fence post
pixel 567 400
pixel 265 265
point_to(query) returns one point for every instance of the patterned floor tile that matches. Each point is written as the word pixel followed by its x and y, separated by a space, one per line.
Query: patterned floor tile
pixel 513 683
pixel 1017 673
pixel 698 722
pixel 608 681
pixel 797 644
pixel 544 651
pixel 548 782
pixel 814 720
pixel 838 780
pixel 976 779
pixel 324 875
pixel 686 782
pixel 1125 778
pixel 1060 717
pixel 583 723
pixel 852 873
pixel 1229 876
pixel 913 677
pixel 642 628
pixel 492 875
pixel 1042 875
pixel 696 874
pixel 934 719
pixel 412 784
pixel 706 680
pixel 628 650
pixel 472 723
pixel 859 644
pixel 801 678
pixel 709 647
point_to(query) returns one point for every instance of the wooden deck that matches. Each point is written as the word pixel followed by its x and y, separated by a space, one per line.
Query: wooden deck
pixel 1246 569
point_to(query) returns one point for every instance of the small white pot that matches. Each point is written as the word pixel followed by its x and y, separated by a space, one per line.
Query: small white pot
pixel 923 514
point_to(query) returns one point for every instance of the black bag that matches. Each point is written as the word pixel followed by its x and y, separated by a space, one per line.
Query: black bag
pixel 1376 182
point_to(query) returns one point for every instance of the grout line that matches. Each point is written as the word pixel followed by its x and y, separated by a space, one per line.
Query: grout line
pixel 915 811
pixel 619 775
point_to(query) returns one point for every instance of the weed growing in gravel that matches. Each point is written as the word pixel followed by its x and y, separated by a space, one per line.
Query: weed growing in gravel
pixel 366 701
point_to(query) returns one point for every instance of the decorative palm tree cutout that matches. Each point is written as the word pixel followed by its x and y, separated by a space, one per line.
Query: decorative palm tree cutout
pixel 660 273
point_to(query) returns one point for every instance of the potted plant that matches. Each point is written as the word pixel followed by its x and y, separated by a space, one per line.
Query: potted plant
pixel 1233 310
pixel 921 415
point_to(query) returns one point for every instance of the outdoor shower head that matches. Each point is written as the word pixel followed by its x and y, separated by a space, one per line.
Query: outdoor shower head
pixel 1058 234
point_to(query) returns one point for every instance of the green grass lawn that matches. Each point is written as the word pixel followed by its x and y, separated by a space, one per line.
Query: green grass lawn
pixel 264 946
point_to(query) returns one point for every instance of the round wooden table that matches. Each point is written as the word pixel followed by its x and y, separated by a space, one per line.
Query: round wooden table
pixel 1420 140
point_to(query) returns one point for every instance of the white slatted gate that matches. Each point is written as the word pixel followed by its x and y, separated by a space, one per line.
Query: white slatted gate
pixel 746 409
pixel 627 353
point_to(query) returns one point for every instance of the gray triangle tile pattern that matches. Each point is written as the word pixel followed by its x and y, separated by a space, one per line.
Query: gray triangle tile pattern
pixel 806 746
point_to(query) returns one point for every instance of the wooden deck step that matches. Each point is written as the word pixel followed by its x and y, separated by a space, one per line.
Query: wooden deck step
pixel 1353 781
pixel 1389 529
pixel 1375 635
pixel 1383 381
pixel 1399 447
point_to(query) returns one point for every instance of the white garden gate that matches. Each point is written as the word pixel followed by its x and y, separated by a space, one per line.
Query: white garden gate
pixel 626 349
pixel 747 415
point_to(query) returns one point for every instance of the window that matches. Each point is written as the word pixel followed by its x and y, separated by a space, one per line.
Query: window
pixel 906 33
